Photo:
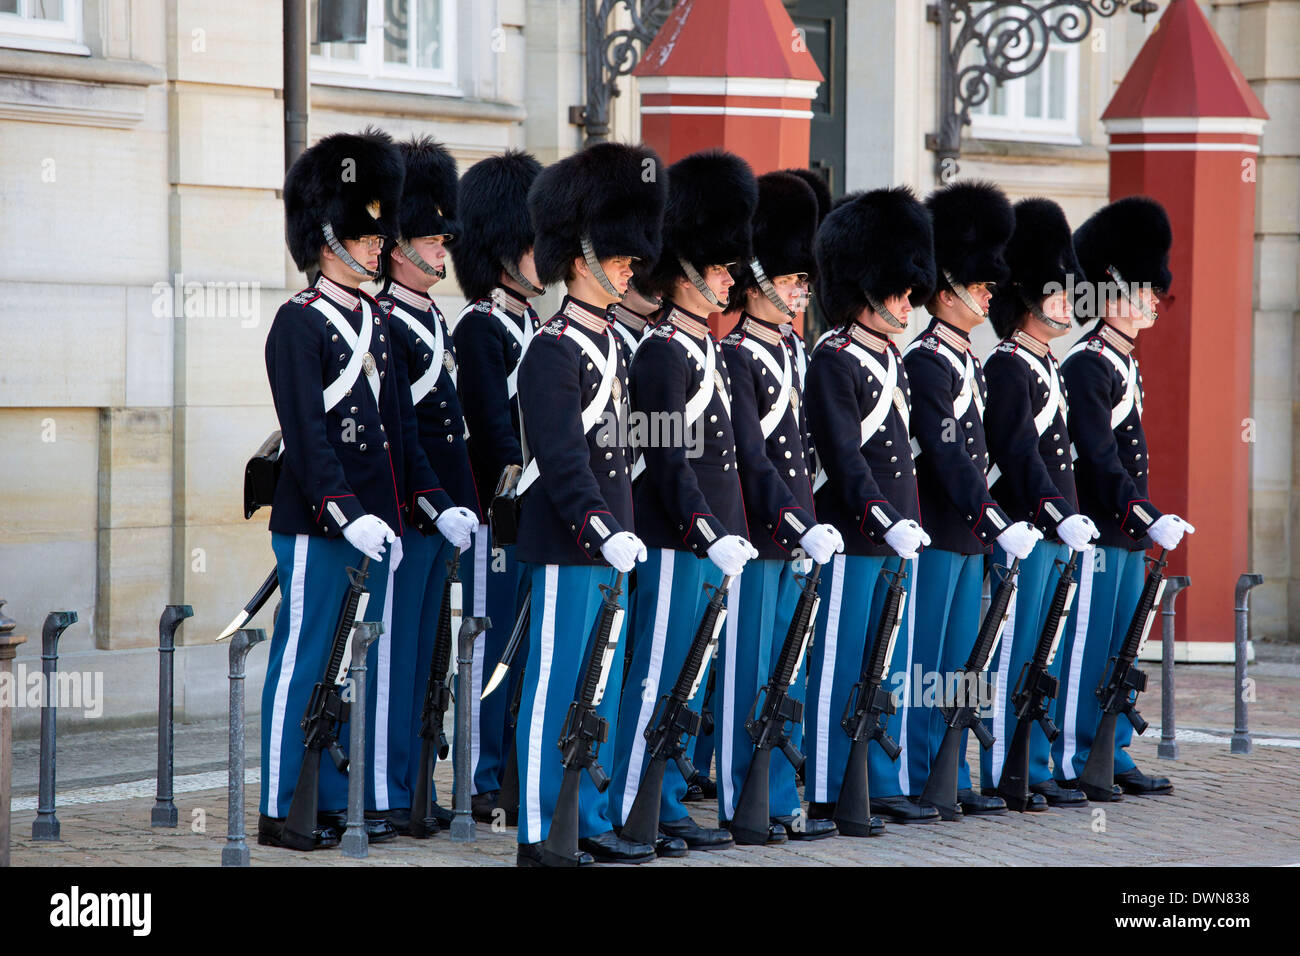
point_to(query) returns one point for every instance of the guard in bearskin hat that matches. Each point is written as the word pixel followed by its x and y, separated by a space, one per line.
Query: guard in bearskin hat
pixel 767 415
pixel 1032 475
pixel 596 213
pixel 354 475
pixel 493 256
pixel 972 224
pixel 1124 252
pixel 686 488
pixel 415 261
pixel 875 261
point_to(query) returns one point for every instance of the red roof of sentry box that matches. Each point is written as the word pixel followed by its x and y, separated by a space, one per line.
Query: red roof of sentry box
pixel 1183 70
pixel 752 38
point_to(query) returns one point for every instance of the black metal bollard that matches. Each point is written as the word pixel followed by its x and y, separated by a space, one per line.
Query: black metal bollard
pixel 46 825
pixel 462 825
pixel 354 842
pixel 164 809
pixel 1241 730
pixel 235 852
pixel 1167 749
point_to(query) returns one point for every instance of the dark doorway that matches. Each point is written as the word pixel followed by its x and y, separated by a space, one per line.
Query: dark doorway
pixel 823 25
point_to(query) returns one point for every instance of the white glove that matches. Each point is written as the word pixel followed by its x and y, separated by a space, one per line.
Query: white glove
pixel 623 551
pixel 1019 539
pixel 1168 531
pixel 1077 531
pixel 368 535
pixel 905 537
pixel 458 526
pixel 731 553
pixel 395 555
pixel 821 541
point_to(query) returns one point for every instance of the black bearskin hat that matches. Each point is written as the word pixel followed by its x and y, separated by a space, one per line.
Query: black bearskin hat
pixel 1133 236
pixel 612 193
pixel 711 200
pixel 495 226
pixel 973 222
pixel 353 181
pixel 784 225
pixel 429 195
pixel 820 189
pixel 1039 254
pixel 876 244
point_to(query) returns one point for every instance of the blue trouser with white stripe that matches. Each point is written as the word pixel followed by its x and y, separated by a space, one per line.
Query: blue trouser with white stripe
pixel 417 603
pixel 493 589
pixel 312 572
pixel 1109 587
pixel 664 615
pixel 759 608
pixel 565 606
pixel 1036 585
pixel 853 595
pixel 947 590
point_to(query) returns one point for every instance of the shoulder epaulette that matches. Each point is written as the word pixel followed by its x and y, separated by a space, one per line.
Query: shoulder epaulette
pixel 306 296
pixel 837 342
pixel 386 305
pixel 929 341
pixel 482 305
pixel 555 326
pixel 664 330
pixel 734 339
pixel 1007 346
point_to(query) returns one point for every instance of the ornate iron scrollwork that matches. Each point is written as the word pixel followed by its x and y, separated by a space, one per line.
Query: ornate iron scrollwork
pixel 1010 39
pixel 611 55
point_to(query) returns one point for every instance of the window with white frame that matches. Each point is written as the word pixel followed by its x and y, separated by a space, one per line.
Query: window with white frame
pixel 50 25
pixel 410 47
pixel 1041 107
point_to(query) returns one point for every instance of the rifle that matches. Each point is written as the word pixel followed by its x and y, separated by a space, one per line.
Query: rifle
pixel 584 731
pixel 437 696
pixel 327 711
pixel 941 788
pixel 673 722
pixel 1034 688
pixel 867 702
pixel 767 726
pixel 1118 692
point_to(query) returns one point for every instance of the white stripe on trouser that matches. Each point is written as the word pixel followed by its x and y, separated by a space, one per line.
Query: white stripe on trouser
pixel 297 583
pixel 482 545
pixel 725 747
pixel 828 676
pixel 537 720
pixel 650 691
pixel 1004 671
pixel 383 689
pixel 1082 611
pixel 904 778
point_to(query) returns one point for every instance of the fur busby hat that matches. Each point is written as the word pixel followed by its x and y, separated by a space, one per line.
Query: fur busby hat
pixel 495 226
pixel 1132 236
pixel 876 244
pixel 353 181
pixel 784 227
pixel 711 200
pixel 1040 253
pixel 820 189
pixel 429 194
pixel 610 192
pixel 973 222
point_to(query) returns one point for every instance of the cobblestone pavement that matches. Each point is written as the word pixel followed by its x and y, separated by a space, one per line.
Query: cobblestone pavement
pixel 1225 809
